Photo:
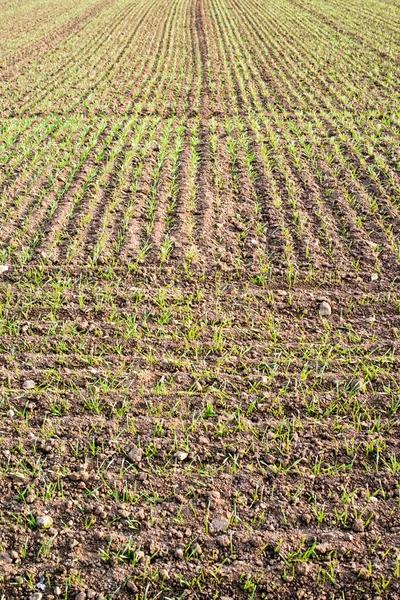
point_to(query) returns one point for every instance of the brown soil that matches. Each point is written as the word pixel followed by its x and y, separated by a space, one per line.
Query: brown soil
pixel 177 420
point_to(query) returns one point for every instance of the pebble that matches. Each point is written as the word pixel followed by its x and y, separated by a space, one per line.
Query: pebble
pixel 179 455
pixel 57 591
pixel 179 552
pixel 131 587
pixel 37 596
pixel 325 309
pixel 3 269
pixel 140 555
pixel 136 455
pixel 358 526
pixel 10 414
pixel 374 276
pixel 29 384
pixel 164 574
pixel 44 522
pixel 197 548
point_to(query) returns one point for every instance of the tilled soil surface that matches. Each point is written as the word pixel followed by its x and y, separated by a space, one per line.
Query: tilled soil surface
pixel 199 300
pixel 197 438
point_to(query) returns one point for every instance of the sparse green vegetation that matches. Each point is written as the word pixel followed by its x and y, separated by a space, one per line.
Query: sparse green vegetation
pixel 199 299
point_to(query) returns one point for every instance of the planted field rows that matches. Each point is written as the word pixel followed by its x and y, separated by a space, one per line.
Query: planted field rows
pixel 199 299
pixel 258 137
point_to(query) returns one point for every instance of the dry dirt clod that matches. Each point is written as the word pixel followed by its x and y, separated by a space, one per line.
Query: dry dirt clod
pixel 36 596
pixel 325 309
pixel 358 526
pixel 57 591
pixel 3 269
pixel 5 558
pixel 29 384
pixel 10 414
pixel 302 568
pixel 223 541
pixel 136 455
pixel 374 276
pixel 219 523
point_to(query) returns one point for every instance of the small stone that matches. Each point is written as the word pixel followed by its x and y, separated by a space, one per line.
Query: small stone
pixel 219 523
pixel 374 276
pixel 37 596
pixel 3 269
pixel 325 309
pixel 179 455
pixel 131 587
pixel 358 526
pixel 136 455
pixel 44 522
pixel 140 555
pixel 57 591
pixel 81 596
pixel 198 549
pixel 164 574
pixel 29 384
pixel 179 552
pixel 10 414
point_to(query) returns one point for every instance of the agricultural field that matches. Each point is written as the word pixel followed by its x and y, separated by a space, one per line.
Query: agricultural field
pixel 199 299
